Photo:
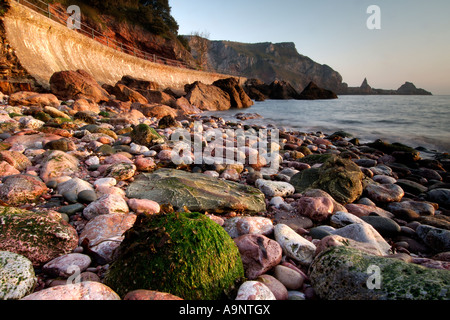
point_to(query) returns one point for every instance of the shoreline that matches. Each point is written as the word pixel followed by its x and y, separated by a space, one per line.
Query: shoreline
pixel 361 129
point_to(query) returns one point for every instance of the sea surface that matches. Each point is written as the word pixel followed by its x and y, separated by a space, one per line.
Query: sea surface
pixel 417 121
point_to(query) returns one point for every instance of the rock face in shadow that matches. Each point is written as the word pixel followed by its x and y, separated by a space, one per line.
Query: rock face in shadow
pixel 207 97
pixel 283 90
pixel 313 92
pixel 410 89
pixel 271 61
pixel 197 192
pixel 238 98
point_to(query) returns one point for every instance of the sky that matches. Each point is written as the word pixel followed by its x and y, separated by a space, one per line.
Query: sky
pixel 412 45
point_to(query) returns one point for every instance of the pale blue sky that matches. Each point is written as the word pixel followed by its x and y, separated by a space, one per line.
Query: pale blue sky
pixel 412 45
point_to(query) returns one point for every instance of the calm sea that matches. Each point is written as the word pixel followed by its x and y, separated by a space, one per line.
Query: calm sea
pixel 417 121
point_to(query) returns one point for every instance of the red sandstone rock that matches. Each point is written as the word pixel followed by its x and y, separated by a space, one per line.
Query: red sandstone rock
pixel 259 254
pixel 77 84
pixel 27 98
pixel 149 295
pixel 20 189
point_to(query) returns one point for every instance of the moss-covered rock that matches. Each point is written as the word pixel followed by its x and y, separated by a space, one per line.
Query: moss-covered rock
pixel 185 254
pixel 343 273
pixel 145 135
pixel 340 178
pixel 196 191
pixel 39 236
pixel 402 153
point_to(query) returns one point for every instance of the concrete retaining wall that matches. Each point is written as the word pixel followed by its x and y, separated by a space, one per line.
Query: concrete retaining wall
pixel 44 46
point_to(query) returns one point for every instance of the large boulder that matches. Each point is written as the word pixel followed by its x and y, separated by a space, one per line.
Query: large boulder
pixel 138 84
pixel 155 110
pixel 349 274
pixel 77 84
pixel 440 196
pixel 207 97
pixel 39 236
pixel 238 98
pixel 123 93
pixel 196 191
pixel 282 90
pixel 184 254
pixel 29 141
pixel 340 178
pixel 256 89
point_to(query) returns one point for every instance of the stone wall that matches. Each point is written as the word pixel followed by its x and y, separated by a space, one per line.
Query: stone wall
pixel 44 46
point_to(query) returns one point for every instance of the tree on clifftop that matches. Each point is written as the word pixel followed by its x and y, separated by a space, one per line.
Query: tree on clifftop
pixel 153 15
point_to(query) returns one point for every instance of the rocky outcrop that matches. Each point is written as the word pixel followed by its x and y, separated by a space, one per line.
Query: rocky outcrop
pixel 269 62
pixel 238 98
pixel 410 89
pixel 313 92
pixel 282 90
pixel 365 89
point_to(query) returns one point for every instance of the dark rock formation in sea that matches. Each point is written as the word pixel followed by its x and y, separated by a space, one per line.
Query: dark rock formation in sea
pixel 410 89
pixel 282 90
pixel 313 92
pixel 365 89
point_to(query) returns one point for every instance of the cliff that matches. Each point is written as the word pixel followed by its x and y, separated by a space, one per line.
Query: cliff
pixel 269 62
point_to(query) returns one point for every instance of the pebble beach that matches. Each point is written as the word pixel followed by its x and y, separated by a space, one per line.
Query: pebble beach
pixel 332 219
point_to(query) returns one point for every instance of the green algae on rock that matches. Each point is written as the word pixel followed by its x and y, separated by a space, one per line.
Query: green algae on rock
pixel 196 191
pixel 39 236
pixel 341 178
pixel 343 273
pixel 145 135
pixel 185 254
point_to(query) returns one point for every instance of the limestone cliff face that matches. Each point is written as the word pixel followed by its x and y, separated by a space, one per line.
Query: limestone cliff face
pixel 268 62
